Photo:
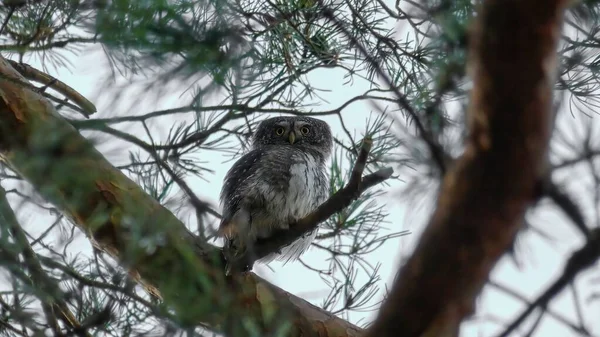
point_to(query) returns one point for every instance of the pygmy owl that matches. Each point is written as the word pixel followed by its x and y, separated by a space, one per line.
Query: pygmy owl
pixel 280 180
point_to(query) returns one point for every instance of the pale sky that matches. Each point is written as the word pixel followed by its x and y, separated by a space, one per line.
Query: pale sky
pixel 542 261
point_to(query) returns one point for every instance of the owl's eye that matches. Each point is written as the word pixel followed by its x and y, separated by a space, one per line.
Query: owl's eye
pixel 305 130
pixel 279 131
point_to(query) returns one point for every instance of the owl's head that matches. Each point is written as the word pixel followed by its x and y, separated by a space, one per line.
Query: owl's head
pixel 303 132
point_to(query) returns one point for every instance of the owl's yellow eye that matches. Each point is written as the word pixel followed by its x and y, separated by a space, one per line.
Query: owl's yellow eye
pixel 279 131
pixel 305 130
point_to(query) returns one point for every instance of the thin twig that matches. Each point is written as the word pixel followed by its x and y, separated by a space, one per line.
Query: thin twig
pixel 558 317
pixel 151 150
pixel 436 150
pixel 54 303
pixel 11 10
pixel 580 260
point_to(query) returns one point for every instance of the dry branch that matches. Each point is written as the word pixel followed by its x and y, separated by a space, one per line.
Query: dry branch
pixel 29 72
pixel 484 196
pixel 114 213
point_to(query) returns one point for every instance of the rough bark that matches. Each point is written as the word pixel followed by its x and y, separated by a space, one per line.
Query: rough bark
pixel 484 196
pixel 115 214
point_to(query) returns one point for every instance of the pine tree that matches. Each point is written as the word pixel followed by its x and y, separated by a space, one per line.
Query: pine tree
pixel 465 110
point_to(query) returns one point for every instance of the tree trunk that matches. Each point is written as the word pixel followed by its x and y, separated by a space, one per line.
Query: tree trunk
pixel 485 195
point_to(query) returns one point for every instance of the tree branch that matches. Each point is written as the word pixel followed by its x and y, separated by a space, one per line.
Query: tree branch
pixel 87 107
pixel 436 151
pixel 116 215
pixel 54 303
pixel 336 203
pixel 584 258
pixel 563 200
pixel 485 194
pixel 579 329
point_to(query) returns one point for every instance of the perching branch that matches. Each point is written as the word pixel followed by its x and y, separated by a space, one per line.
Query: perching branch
pixel 336 203
pixel 485 194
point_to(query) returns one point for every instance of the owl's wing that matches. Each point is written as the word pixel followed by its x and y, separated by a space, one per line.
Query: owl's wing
pixel 235 191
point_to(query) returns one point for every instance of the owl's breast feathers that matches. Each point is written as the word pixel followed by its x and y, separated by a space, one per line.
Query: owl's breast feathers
pixel 270 187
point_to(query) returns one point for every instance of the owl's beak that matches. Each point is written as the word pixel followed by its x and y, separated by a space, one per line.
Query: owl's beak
pixel 292 137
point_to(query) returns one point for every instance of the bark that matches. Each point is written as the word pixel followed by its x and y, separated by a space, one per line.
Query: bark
pixel 484 196
pixel 116 215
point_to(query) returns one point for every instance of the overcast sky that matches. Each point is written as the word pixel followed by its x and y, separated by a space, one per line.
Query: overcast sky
pixel 542 261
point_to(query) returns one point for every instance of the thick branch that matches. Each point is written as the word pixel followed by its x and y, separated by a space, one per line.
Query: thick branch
pixel 484 196
pixel 116 214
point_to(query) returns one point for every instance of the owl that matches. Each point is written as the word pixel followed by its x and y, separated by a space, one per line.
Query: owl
pixel 281 179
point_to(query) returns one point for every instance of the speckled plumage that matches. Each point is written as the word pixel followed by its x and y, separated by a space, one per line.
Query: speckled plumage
pixel 281 179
